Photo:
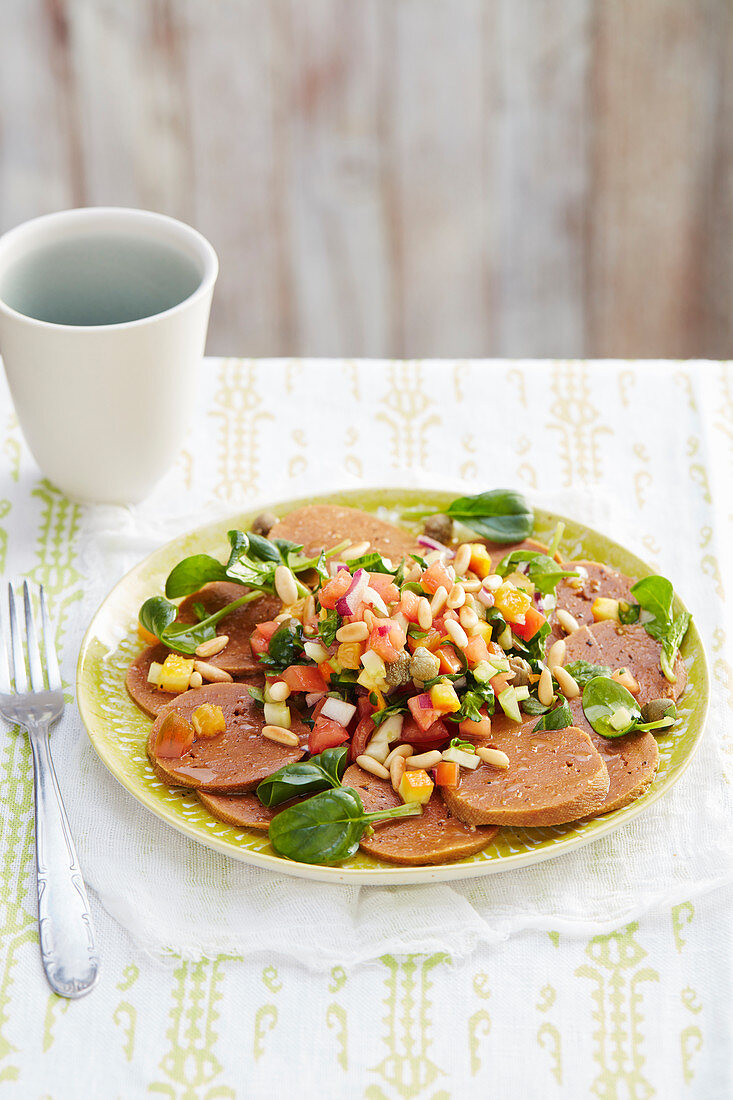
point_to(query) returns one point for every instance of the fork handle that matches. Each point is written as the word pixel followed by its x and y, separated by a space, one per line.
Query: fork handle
pixel 65 928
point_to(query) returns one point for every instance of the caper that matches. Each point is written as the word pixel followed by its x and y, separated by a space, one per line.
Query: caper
pixel 398 672
pixel 657 709
pixel 264 522
pixel 424 665
pixel 522 671
pixel 439 527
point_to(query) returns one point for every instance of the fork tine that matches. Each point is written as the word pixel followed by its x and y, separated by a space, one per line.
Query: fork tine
pixel 34 653
pixel 49 649
pixel 16 646
pixel 4 666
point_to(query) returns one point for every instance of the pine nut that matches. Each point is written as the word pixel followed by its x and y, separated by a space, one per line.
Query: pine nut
pixel 424 614
pixel 279 691
pixel 474 585
pixel 213 646
pixel 413 573
pixel 456 633
pixel 309 608
pixel 567 684
pixel 369 617
pixel 493 582
pixel 495 757
pixel 567 621
pixel 358 550
pixel 353 632
pixel 424 759
pixel 462 560
pixel 399 750
pixel 396 771
pixel 468 617
pixel 369 764
pixel 556 656
pixel 283 737
pixel 285 585
pixel 456 596
pixel 211 673
pixel 196 680
pixel 438 601
pixel 545 691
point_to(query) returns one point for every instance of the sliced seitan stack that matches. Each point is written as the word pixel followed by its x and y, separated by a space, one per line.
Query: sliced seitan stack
pixel 236 760
pixel 244 810
pixel 595 580
pixel 320 526
pixel 618 646
pixel 632 761
pixel 148 697
pixel 554 776
pixel 237 657
pixel 434 837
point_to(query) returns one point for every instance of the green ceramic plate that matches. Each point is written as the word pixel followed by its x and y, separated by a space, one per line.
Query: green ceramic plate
pixel 118 730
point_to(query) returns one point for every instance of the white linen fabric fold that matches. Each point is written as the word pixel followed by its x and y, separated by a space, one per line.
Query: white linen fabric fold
pixel 641 451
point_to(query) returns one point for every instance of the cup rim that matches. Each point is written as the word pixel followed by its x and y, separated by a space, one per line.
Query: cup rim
pixel 201 245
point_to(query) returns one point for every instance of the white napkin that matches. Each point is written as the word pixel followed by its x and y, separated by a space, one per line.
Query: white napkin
pixel 174 895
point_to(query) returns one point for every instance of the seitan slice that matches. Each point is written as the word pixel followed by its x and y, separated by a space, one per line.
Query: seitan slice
pixel 554 776
pixel 148 697
pixel 434 837
pixel 632 761
pixel 244 810
pixel 321 526
pixel 618 646
pixel 237 657
pixel 239 758
pixel 595 580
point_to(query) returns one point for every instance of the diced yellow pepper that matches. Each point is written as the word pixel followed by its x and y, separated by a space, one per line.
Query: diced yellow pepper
pixel 444 698
pixel 484 629
pixel 175 673
pixel 480 561
pixel 604 608
pixel 208 720
pixel 511 602
pixel 519 580
pixel 349 654
pixel 416 786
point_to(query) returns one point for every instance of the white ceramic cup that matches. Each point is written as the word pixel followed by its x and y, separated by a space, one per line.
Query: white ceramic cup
pixel 103 318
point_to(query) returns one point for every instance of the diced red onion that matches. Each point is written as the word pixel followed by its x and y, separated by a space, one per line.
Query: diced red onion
pixel 314 697
pixel 424 701
pixel 485 597
pixel 338 710
pixel 433 544
pixel 371 597
pixel 351 599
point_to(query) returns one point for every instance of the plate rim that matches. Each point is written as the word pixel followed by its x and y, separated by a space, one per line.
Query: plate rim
pixel 395 874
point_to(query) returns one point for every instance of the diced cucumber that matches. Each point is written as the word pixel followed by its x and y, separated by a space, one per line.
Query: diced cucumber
pixel 509 704
pixel 277 714
pixel 458 756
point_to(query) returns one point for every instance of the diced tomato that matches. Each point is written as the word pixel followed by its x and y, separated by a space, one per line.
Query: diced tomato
pixel 364 706
pixel 500 683
pixel 260 639
pixel 303 678
pixel 446 774
pixel 326 734
pixel 449 659
pixel 533 620
pixel 334 589
pixel 387 639
pixel 476 650
pixel 432 738
pixel 409 604
pixel 476 729
pixel 174 737
pixel 326 668
pixel 435 576
pixel 319 707
pixel 362 736
pixel 383 584
pixel 431 641
pixel 422 710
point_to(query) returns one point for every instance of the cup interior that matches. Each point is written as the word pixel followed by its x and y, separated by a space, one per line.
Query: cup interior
pixel 101 267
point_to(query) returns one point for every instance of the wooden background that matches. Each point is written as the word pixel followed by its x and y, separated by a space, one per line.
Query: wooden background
pixel 401 177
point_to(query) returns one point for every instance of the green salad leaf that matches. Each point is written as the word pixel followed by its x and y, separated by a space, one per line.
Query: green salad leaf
pixel 583 671
pixel 304 777
pixel 501 515
pixel 158 615
pixel 558 719
pixel 286 644
pixel 611 710
pixel 655 596
pixel 542 570
pixel 328 827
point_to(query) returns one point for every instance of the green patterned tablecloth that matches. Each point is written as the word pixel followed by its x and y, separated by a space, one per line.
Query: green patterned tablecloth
pixel 638 1012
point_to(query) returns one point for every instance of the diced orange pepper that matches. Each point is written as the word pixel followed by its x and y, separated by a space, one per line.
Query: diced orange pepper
pixel 146 636
pixel 511 602
pixel 416 786
pixel 449 659
pixel 481 728
pixel 208 720
pixel 480 560
pixel 444 699
pixel 325 668
pixel 533 620
pixel 431 641
pixel 447 773
pixel 435 576
pixel 348 654
pixel 175 736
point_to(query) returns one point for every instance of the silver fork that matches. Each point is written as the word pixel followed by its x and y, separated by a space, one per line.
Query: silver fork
pixel 65 928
